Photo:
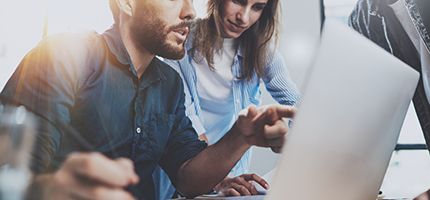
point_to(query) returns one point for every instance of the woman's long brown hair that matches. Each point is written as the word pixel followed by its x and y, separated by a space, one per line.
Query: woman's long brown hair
pixel 255 41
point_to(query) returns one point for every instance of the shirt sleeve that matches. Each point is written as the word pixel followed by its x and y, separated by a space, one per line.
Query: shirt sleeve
pixel 278 82
pixel 183 143
pixel 190 107
pixel 368 18
pixel 360 17
pixel 43 85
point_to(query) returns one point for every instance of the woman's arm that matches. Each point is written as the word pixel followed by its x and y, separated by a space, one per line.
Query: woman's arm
pixel 278 81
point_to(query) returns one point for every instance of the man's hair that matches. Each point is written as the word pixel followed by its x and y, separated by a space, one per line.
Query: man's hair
pixel 255 41
pixel 115 10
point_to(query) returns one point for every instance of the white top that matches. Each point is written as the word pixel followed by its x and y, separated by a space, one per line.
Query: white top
pixel 402 14
pixel 215 92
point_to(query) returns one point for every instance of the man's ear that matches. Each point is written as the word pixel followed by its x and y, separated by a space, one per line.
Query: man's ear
pixel 126 6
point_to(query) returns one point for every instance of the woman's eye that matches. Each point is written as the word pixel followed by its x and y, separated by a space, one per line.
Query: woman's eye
pixel 240 2
pixel 258 7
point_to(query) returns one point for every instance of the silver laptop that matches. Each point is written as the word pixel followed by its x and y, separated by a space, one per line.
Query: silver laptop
pixel 348 122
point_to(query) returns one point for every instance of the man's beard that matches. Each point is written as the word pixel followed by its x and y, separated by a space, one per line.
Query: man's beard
pixel 151 34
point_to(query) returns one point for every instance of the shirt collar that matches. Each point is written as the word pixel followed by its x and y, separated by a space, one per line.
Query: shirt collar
pixel 153 73
pixel 116 46
pixel 240 51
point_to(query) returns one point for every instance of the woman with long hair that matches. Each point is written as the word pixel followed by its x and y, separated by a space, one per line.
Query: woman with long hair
pixel 228 54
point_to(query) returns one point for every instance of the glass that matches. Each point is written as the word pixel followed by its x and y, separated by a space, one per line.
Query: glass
pixel 16 143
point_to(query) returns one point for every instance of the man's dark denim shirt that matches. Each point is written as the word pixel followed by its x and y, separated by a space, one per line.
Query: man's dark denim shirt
pixel 89 82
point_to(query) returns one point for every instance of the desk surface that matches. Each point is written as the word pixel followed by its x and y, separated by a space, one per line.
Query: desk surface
pixel 259 197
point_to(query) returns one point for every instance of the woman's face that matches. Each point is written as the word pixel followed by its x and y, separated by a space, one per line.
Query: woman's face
pixel 238 15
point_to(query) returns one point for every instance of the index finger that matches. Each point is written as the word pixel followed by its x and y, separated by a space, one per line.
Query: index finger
pixel 270 114
pixel 284 111
pixel 256 178
pixel 99 168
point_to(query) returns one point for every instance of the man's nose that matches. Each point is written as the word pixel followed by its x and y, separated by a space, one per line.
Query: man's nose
pixel 188 12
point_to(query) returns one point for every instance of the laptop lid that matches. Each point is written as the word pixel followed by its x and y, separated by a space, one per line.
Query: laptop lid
pixel 348 121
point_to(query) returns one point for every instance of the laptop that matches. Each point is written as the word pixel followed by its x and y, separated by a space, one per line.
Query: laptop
pixel 355 100
pixel 348 122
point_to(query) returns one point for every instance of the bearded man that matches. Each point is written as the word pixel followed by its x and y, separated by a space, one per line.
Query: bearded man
pixel 121 101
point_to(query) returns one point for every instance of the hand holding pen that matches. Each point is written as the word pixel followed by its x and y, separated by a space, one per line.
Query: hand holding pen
pixel 86 176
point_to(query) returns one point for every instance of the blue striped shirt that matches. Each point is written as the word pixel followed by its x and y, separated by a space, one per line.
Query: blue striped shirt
pixel 245 93
pixel 276 80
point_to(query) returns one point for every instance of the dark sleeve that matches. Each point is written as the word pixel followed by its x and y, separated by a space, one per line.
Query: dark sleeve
pixel 369 19
pixel 43 84
pixel 183 143
pixel 359 18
